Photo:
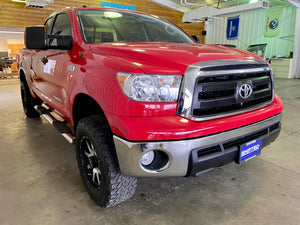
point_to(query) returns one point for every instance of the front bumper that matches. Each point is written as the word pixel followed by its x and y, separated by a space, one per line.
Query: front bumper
pixel 191 157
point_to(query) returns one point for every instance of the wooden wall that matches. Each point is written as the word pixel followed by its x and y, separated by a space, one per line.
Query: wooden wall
pixel 13 14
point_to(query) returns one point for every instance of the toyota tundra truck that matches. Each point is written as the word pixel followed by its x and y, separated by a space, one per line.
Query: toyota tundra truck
pixel 140 98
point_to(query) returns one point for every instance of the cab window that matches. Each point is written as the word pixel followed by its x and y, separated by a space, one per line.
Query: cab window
pixel 61 27
pixel 48 25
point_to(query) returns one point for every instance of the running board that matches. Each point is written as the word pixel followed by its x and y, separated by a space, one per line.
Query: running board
pixel 65 131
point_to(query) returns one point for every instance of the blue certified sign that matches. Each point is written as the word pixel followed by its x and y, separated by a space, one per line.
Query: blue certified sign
pixel 250 150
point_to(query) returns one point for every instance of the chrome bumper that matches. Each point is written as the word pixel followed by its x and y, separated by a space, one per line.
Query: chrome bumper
pixel 180 151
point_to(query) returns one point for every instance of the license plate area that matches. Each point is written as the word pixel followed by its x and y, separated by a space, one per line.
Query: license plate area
pixel 249 150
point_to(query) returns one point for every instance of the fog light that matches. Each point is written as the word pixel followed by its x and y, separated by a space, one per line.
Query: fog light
pixel 147 158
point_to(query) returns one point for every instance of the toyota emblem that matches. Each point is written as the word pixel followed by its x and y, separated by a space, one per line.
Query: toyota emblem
pixel 245 91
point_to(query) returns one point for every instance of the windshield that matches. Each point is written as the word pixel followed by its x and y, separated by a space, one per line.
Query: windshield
pixel 99 26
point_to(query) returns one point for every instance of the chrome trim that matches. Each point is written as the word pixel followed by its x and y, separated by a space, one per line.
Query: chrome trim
pixel 193 71
pixel 69 137
pixel 57 99
pixel 226 72
pixel 129 153
pixel 49 118
pixel 227 62
pixel 245 90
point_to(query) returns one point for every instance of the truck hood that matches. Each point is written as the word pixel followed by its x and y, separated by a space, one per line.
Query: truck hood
pixel 167 58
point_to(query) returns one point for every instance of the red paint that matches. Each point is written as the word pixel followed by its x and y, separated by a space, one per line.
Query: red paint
pixel 95 74
pixel 176 127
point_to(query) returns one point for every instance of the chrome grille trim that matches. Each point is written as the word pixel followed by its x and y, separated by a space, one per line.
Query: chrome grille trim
pixel 215 69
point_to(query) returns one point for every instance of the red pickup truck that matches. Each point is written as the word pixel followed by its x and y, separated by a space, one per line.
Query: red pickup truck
pixel 140 98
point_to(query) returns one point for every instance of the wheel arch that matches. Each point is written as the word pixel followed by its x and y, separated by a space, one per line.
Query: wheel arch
pixel 83 106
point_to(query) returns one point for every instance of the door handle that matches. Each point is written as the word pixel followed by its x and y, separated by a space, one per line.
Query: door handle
pixel 44 60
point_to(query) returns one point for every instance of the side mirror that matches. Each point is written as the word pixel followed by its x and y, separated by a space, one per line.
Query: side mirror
pixel 35 37
pixel 196 38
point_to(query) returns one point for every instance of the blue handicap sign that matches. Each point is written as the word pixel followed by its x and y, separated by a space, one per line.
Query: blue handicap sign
pixel 233 27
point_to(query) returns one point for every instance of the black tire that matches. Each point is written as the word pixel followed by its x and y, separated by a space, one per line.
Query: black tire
pixel 96 158
pixel 28 101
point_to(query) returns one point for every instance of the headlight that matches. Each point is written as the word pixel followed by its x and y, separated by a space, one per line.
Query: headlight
pixel 150 88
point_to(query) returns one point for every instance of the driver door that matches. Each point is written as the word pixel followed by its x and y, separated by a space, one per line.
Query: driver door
pixel 52 66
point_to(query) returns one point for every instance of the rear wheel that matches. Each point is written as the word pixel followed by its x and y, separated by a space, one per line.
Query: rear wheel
pixel 98 163
pixel 28 101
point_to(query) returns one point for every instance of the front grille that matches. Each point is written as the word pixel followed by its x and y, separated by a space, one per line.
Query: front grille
pixel 217 90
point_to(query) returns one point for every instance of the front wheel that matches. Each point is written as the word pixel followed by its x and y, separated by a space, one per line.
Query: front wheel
pixel 98 165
